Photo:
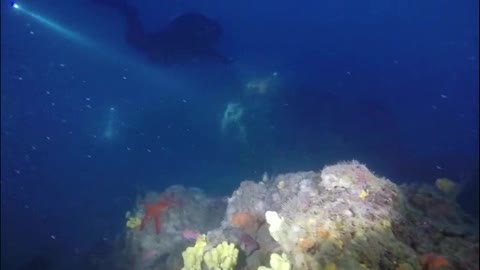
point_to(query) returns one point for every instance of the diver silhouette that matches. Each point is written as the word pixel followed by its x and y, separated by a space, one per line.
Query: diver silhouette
pixel 188 37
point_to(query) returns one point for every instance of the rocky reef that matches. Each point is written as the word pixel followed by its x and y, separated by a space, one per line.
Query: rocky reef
pixel 342 217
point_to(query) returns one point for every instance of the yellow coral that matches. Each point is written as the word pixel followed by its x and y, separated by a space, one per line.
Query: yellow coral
pixel 404 266
pixel 364 266
pixel 277 262
pixel 331 266
pixel 446 185
pixel 363 194
pixel 133 222
pixel 337 243
pixel 386 223
pixel 192 256
pixel 222 257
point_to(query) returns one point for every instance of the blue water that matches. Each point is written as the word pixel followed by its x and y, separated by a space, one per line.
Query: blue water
pixel 88 124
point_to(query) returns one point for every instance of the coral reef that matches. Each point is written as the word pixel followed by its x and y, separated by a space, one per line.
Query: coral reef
pixel 342 217
pixel 193 213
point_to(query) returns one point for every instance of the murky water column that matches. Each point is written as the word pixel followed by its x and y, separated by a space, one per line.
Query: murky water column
pixel 110 127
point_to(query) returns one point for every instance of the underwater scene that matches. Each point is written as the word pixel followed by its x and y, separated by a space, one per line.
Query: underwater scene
pixel 239 135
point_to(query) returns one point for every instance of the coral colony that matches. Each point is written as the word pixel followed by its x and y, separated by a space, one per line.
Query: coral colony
pixel 342 217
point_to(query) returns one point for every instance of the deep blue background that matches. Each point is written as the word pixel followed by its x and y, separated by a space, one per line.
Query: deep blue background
pixel 392 83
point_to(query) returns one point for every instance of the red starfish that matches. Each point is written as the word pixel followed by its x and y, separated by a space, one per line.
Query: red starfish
pixel 155 211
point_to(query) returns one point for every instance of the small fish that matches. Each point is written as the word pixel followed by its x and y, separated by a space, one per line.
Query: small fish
pixel 190 235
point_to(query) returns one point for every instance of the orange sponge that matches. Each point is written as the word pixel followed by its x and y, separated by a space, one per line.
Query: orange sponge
pixel 432 261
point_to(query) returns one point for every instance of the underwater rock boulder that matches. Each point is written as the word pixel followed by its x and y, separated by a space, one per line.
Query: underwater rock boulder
pixel 342 217
pixel 193 211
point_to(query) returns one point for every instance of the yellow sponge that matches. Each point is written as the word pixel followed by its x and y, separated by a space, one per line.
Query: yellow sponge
pixel 446 185
pixel 222 257
pixel 132 221
pixel 192 256
pixel 277 262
